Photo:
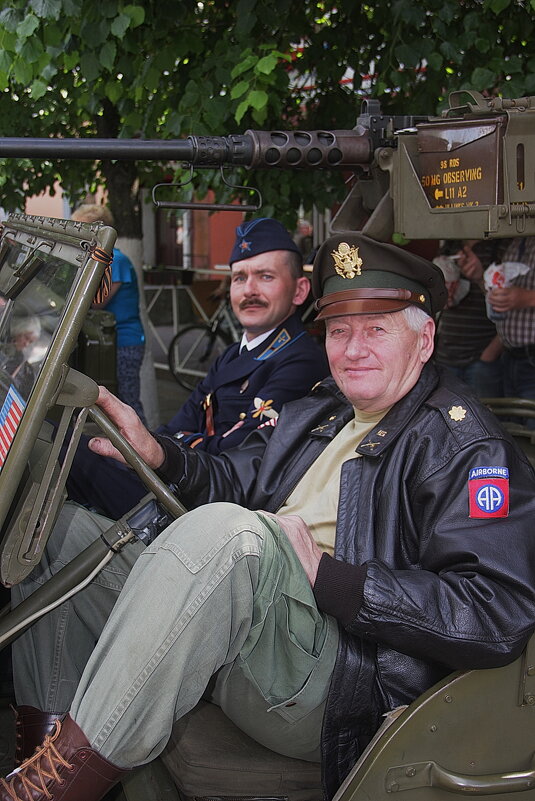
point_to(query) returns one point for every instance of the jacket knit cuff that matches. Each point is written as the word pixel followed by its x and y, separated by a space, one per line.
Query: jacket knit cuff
pixel 339 588
pixel 172 468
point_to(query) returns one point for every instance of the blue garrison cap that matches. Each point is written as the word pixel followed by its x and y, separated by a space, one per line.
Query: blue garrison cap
pixel 261 236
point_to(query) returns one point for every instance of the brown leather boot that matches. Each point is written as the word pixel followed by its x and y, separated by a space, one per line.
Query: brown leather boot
pixel 31 728
pixel 64 768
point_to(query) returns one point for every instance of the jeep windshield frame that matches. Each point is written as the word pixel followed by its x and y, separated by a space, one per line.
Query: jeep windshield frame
pixel 50 272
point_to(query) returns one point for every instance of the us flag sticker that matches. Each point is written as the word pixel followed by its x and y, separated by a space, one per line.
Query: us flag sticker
pixel 10 417
pixel 489 491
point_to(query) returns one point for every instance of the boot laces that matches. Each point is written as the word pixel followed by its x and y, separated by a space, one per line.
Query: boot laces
pixel 18 734
pixel 44 764
pixel 18 723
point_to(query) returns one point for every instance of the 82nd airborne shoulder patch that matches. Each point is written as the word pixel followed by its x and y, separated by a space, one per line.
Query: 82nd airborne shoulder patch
pixel 488 489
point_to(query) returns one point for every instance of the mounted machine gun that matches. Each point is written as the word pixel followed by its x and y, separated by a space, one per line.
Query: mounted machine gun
pixel 467 174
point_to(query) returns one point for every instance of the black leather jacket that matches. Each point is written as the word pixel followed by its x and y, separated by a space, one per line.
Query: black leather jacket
pixel 443 591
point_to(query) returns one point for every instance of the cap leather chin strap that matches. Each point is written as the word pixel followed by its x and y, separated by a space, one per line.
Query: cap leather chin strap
pixel 367 301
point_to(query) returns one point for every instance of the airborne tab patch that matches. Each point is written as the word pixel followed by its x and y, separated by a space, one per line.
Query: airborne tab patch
pixel 488 489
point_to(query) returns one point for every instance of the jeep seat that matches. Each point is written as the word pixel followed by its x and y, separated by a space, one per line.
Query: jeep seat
pixel 208 756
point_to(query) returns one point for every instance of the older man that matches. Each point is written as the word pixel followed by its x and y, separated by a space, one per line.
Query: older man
pixel 275 362
pixel 391 548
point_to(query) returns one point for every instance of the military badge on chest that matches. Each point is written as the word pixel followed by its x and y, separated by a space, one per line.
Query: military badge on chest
pixel 263 409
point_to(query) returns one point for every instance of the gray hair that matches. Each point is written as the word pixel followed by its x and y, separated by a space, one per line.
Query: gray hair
pixel 416 318
pixel 21 325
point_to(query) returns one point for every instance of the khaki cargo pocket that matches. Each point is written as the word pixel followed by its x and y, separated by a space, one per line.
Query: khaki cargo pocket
pixel 291 648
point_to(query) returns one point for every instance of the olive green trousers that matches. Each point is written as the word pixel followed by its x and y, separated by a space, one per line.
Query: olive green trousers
pixel 219 593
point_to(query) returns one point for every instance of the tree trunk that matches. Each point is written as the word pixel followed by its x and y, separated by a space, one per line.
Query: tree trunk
pixel 149 396
pixel 122 184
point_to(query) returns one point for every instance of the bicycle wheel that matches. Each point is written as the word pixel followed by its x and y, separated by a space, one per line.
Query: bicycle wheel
pixel 192 351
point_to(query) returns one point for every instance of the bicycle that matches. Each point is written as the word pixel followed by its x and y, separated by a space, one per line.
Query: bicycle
pixel 195 347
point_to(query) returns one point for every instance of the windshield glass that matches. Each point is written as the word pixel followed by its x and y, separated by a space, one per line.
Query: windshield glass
pixel 34 287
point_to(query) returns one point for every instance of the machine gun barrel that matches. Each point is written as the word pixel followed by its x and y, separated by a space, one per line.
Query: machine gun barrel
pixel 125 149
pixel 297 149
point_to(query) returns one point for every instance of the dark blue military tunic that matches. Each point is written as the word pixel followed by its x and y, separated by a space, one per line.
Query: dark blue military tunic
pixel 240 392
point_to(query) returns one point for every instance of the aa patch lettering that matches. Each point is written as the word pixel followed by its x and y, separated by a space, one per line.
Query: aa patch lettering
pixel 488 489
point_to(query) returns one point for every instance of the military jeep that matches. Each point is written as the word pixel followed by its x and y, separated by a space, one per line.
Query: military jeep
pixel 472 734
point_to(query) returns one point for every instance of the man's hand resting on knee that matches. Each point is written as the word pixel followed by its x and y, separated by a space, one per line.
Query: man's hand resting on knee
pixel 302 541
pixel 131 428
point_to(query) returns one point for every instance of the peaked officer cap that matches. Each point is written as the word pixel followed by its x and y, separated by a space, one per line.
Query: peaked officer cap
pixel 354 274
pixel 261 236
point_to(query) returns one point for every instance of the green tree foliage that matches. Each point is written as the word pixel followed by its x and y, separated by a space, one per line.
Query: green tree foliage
pixel 165 70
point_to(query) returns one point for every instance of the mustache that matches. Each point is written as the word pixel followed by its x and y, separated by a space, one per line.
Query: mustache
pixel 252 302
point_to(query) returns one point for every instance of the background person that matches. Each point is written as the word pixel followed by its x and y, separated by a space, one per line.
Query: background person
pixel 466 340
pixel 419 488
pixel 276 362
pixel 516 326
pixel 304 238
pixel 123 302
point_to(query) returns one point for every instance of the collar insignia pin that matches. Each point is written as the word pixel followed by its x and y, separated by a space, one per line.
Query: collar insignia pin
pixel 347 261
pixel 457 413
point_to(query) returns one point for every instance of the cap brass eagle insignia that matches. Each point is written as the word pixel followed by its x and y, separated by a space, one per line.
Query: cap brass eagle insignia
pixel 347 261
